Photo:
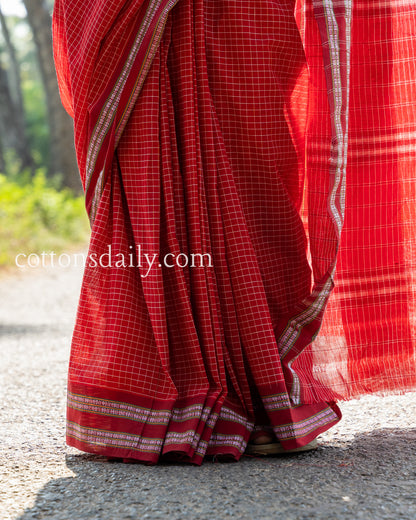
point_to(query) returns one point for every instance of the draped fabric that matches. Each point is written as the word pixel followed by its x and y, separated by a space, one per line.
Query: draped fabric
pixel 248 169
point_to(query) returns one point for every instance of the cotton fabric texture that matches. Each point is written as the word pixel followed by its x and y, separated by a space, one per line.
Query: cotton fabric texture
pixel 277 137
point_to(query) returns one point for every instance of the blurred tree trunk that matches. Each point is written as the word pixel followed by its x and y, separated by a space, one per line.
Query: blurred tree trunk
pixel 14 67
pixel 60 123
pixel 11 126
pixel 2 163
pixel 13 114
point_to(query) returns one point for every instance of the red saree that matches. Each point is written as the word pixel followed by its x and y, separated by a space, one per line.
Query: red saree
pixel 220 128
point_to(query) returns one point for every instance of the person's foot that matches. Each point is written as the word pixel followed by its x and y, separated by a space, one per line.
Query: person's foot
pixel 263 438
pixel 265 443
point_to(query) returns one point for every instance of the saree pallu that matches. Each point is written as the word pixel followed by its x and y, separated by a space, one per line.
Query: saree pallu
pixel 222 129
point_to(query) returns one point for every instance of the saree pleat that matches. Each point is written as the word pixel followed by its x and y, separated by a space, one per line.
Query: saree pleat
pixel 215 133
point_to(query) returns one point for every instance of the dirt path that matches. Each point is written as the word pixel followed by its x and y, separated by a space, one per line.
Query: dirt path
pixel 365 467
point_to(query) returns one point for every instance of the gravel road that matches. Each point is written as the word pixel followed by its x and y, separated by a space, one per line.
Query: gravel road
pixel 364 469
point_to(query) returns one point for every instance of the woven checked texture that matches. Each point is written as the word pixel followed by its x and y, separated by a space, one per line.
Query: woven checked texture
pixel 367 341
pixel 220 129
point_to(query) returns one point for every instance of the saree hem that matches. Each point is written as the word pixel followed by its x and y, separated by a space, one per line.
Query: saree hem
pixel 190 429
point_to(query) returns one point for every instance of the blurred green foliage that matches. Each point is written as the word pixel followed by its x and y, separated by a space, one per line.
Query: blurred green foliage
pixel 35 216
pixel 36 117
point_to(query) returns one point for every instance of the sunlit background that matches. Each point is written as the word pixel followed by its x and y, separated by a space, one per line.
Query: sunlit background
pixel 12 7
pixel 41 203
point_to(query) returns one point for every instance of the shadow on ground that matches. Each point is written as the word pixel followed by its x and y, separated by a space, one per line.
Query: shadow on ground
pixel 27 329
pixel 371 477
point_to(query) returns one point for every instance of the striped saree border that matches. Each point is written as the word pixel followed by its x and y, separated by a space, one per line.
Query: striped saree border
pixel 306 427
pixel 111 112
pixel 96 437
pixel 104 424
pixel 113 427
pixel 132 412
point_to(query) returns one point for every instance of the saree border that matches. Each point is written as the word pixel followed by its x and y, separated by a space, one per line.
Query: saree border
pixel 333 18
pixel 110 113
pixel 119 424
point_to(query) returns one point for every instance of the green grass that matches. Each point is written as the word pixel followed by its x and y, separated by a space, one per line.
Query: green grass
pixel 35 216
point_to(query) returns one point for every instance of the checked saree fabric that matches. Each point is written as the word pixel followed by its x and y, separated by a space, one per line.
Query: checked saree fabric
pixel 275 139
